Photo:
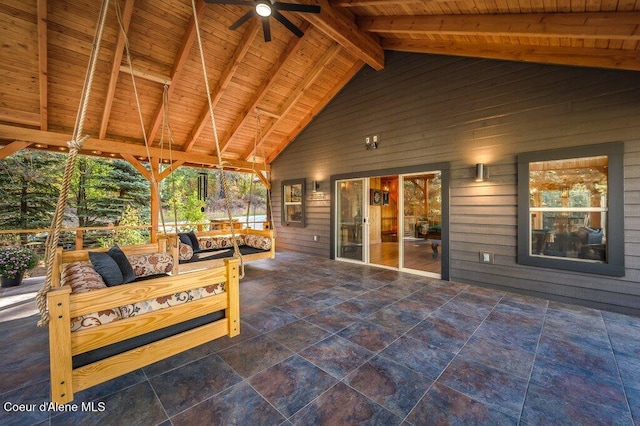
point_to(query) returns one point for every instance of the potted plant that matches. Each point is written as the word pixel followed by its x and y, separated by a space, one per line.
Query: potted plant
pixel 14 261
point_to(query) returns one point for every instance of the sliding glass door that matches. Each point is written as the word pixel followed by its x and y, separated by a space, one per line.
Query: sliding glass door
pixel 393 221
pixel 422 220
pixel 351 219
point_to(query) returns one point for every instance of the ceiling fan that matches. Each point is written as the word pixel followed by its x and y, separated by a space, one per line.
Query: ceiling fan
pixel 267 8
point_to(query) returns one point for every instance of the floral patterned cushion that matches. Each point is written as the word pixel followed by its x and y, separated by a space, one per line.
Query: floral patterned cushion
pixel 145 265
pixel 171 300
pixel 257 241
pixel 216 242
pixel 185 252
pixel 83 278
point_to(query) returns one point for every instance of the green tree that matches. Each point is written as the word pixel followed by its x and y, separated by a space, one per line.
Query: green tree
pixel 123 186
pixel 29 182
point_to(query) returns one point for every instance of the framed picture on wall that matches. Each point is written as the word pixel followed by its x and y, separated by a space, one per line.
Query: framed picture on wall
pixel 375 197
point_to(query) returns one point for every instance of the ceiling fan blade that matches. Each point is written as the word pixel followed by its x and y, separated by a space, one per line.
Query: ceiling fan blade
pixel 287 23
pixel 242 20
pixel 239 2
pixel 290 7
pixel 266 29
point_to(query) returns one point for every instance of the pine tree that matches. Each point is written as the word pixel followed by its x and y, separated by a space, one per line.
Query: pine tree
pixel 29 183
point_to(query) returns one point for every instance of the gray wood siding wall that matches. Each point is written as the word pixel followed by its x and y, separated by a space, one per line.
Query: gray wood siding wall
pixel 431 109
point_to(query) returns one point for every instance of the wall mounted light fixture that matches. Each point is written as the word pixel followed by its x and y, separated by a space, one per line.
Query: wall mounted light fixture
pixel 481 172
pixel 316 186
pixel 371 142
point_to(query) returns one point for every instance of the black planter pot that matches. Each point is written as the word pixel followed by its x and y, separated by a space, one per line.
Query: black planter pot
pixel 11 282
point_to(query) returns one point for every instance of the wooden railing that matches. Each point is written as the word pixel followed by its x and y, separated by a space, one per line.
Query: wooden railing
pixel 90 237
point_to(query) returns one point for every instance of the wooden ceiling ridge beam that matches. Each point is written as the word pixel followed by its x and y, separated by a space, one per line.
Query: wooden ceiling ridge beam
pixel 573 56
pixel 583 25
pixel 292 47
pixel 177 70
pixel 43 64
pixel 106 147
pixel 341 27
pixel 311 76
pixel 115 68
pixel 346 78
pixel 225 78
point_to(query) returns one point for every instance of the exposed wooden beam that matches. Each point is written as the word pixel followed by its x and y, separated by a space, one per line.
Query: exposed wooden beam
pixel 156 78
pixel 146 173
pixel 216 93
pixel 170 169
pixel 368 3
pixel 178 68
pixel 317 108
pixel 20 117
pixel 268 113
pixel 577 56
pixel 294 44
pixel 342 28
pixel 117 148
pixel 600 25
pixel 42 64
pixel 115 68
pixel 311 76
pixel 12 148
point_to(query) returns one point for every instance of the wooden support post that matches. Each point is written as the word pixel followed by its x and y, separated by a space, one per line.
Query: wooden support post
pixel 79 242
pixel 60 345
pixel 233 293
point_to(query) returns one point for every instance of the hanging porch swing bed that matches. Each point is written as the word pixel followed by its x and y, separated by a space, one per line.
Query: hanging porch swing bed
pixel 102 327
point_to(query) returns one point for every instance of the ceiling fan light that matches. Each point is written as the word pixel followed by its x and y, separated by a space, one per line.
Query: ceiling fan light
pixel 263 9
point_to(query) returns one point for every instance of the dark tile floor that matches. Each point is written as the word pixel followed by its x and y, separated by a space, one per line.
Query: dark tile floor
pixel 330 343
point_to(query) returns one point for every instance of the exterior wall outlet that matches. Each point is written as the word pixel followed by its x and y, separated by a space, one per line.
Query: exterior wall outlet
pixel 486 257
pixel 316 238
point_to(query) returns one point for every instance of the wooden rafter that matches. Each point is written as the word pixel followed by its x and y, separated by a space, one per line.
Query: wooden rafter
pixel 42 64
pixel 115 68
pixel 229 71
pixel 595 26
pixel 578 56
pixel 368 3
pixel 293 45
pixel 317 108
pixel 342 28
pixel 178 67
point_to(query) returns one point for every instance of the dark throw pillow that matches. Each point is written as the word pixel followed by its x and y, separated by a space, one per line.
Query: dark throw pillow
pixel 107 268
pixel 194 242
pixel 123 263
pixel 184 238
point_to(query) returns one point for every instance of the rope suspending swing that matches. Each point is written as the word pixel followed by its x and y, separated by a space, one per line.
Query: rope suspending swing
pixel 75 144
pixel 223 178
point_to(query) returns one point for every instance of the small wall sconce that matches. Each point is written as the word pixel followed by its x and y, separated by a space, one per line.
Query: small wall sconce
pixel 371 142
pixel 482 173
pixel 316 186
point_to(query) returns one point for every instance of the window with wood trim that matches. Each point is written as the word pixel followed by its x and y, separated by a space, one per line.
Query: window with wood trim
pixel 570 209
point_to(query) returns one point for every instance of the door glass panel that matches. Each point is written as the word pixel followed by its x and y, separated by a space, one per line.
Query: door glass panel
pixel 422 222
pixel 350 220
pixel 383 221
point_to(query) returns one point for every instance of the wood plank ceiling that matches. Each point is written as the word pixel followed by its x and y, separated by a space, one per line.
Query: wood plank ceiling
pixel 264 94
